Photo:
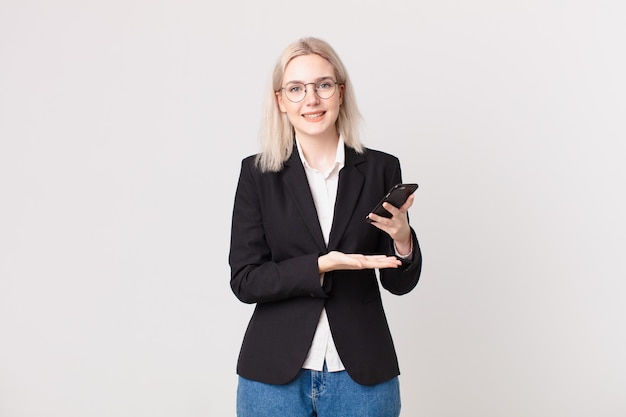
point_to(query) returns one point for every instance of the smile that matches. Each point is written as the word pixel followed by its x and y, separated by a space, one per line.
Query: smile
pixel 313 115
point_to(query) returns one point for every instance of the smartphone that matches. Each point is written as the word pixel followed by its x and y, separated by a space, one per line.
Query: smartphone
pixel 397 196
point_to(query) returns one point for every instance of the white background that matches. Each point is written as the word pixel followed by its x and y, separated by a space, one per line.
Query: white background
pixel 122 126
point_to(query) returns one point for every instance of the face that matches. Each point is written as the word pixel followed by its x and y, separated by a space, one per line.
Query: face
pixel 313 117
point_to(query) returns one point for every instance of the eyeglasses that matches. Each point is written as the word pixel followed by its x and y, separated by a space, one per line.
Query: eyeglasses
pixel 324 89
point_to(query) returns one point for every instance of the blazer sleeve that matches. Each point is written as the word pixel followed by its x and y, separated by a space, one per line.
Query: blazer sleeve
pixel 403 279
pixel 255 276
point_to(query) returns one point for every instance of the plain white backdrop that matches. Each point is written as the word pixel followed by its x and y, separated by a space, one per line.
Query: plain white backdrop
pixel 122 126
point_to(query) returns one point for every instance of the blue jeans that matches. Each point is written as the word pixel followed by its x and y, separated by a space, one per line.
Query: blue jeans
pixel 322 394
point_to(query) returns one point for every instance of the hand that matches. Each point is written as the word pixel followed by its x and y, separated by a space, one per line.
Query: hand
pixel 336 260
pixel 397 227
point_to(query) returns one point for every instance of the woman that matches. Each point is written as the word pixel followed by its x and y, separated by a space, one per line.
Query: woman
pixel 318 343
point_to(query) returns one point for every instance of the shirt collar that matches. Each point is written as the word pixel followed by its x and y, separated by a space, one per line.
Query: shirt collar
pixel 340 156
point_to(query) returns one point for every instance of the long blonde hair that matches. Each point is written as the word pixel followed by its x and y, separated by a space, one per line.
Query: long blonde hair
pixel 277 133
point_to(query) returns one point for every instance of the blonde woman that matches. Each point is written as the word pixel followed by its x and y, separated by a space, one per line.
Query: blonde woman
pixel 318 343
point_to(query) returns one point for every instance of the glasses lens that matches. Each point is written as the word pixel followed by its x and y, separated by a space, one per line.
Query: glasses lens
pixel 295 91
pixel 325 89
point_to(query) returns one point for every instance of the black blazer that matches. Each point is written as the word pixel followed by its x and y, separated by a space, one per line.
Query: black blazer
pixel 275 242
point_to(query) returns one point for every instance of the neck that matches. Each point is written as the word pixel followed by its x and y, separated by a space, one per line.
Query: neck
pixel 320 153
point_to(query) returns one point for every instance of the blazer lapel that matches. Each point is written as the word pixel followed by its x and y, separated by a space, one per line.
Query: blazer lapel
pixel 297 186
pixel 351 181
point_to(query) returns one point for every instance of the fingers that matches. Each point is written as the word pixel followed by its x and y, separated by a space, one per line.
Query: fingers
pixel 392 226
pixel 395 211
pixel 408 203
pixel 397 227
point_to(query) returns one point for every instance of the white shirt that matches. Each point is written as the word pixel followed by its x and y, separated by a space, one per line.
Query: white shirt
pixel 324 190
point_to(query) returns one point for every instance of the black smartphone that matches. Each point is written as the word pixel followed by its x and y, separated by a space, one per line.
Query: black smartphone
pixel 397 196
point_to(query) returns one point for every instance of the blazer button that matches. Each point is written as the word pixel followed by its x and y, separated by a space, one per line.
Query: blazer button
pixel 312 295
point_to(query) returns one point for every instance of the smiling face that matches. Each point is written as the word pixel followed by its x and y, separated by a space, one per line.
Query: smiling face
pixel 312 117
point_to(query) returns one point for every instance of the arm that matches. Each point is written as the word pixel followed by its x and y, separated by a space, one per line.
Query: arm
pixel 255 275
pixel 402 241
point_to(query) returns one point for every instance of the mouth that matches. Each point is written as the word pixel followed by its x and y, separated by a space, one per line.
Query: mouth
pixel 314 116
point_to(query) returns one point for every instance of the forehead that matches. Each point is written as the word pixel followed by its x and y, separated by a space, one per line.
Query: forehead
pixel 308 68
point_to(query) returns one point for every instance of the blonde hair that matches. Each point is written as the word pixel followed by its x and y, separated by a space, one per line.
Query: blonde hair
pixel 277 133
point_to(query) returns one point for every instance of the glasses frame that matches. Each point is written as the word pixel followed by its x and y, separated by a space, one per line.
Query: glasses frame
pixel 337 83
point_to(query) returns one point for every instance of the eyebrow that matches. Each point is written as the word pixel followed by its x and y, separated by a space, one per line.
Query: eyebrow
pixel 326 77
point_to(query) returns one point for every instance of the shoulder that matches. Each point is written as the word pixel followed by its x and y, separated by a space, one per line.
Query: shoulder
pixel 376 157
pixel 375 154
pixel 250 165
pixel 249 160
pixel 251 169
pixel 376 165
pixel 255 163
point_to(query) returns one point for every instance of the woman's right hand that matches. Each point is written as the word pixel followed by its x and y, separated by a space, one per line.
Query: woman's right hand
pixel 336 260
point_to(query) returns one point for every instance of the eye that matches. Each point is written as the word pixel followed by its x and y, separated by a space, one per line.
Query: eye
pixel 325 85
pixel 295 88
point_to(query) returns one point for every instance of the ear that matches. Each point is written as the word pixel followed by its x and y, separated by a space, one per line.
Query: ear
pixel 279 101
pixel 341 91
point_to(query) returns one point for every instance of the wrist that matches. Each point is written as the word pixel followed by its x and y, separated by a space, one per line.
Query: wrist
pixel 322 265
pixel 403 250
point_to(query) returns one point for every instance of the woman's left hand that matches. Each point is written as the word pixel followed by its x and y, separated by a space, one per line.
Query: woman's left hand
pixel 397 227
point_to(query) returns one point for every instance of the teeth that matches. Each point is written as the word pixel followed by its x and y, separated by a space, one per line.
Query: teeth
pixel 313 116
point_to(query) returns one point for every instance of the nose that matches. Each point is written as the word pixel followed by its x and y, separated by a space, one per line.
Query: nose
pixel 310 95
